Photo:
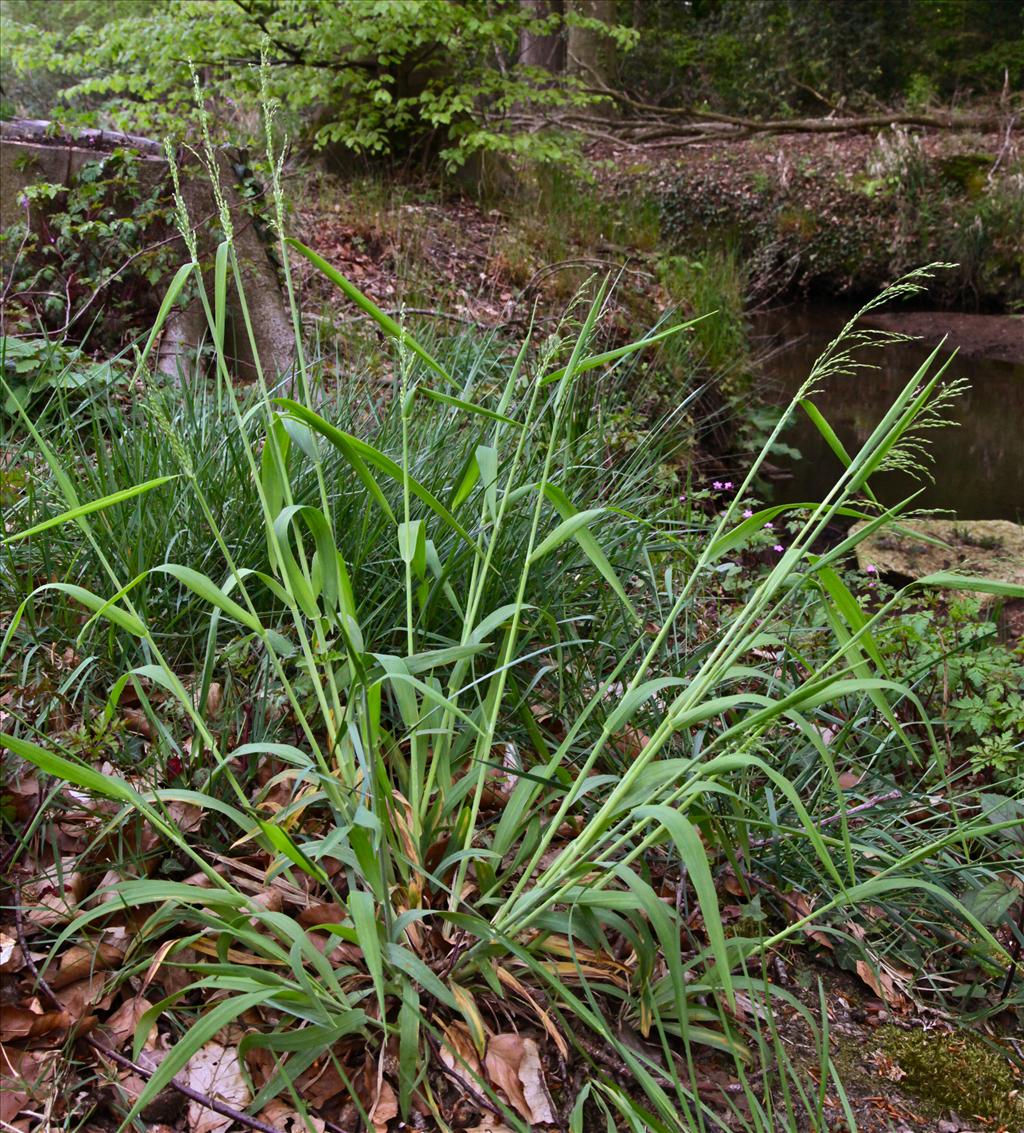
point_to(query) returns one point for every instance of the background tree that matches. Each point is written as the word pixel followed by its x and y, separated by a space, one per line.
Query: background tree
pixel 778 57
pixel 373 75
pixel 590 51
pixel 541 41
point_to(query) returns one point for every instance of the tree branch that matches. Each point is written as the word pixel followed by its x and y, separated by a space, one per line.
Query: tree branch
pixel 937 121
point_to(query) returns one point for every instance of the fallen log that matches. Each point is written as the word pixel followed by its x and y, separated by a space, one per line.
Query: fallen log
pixel 691 118
pixel 34 151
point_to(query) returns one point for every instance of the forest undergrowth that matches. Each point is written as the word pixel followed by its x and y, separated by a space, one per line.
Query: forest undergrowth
pixel 409 757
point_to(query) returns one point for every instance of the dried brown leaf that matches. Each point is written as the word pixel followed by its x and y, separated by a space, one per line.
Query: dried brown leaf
pixel 883 983
pixel 459 1054
pixel 283 1117
pixel 535 1090
pixel 158 960
pixel 385 1108
pixel 53 897
pixel 136 721
pixel 315 915
pixel 78 962
pixel 80 997
pixel 319 1084
pixel 11 958
pixel 544 1018
pixel 23 795
pixel 513 1065
pixel 13 1100
pixel 214 696
pixel 185 816
pixel 24 1023
pixel 125 1019
pixel 214 1071
pixel 26 1076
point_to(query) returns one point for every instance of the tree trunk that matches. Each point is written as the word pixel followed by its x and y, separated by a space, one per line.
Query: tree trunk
pixel 32 151
pixel 591 54
pixel 544 51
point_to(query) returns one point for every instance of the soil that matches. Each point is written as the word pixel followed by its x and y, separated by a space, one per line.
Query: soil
pixel 976 336
pixel 438 253
pixel 444 258
pixel 865 1033
pixel 845 214
pixel 993 548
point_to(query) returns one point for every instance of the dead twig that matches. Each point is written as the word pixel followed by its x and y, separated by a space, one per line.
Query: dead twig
pixel 868 804
pixel 121 1060
pixel 937 120
pixel 459 1080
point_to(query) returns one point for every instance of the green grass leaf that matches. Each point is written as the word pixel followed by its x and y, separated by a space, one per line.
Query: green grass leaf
pixel 89 508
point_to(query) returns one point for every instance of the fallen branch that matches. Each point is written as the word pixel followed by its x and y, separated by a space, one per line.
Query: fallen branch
pixel 46 133
pixel 940 120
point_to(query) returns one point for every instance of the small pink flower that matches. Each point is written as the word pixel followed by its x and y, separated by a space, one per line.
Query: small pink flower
pixel 778 548
pixel 769 526
pixel 727 485
pixel 871 569
pixel 747 513
pixel 717 485
pixel 682 498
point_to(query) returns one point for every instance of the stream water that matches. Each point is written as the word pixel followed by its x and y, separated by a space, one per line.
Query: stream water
pixel 979 463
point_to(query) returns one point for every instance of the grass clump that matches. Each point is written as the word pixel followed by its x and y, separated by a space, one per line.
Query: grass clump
pixel 959 1072
pixel 517 738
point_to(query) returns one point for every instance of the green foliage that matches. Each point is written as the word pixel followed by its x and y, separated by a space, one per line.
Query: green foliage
pixel 88 257
pixel 714 285
pixel 479 697
pixel 376 76
pixel 34 368
pixel 402 604
pixel 780 57
pixel 958 1072
pixel 801 225
pixel 971 684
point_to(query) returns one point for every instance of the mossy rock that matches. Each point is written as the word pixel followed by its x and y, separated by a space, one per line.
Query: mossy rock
pixel 989 548
pixel 967 171
pixel 794 221
pixel 957 1071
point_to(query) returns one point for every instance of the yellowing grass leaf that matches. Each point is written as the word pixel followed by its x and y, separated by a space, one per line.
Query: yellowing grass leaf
pixel 471 1013
pixel 543 1017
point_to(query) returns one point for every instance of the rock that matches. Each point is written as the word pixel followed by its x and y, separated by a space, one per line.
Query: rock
pixel 989 548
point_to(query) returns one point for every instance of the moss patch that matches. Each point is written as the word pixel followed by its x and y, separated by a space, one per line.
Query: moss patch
pixel 957 1071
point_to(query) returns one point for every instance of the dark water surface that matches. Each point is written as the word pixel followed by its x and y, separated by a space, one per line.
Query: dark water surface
pixel 979 463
